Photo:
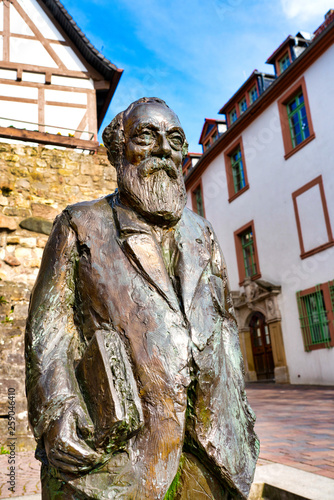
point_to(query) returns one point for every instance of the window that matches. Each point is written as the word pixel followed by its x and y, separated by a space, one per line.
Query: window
pixel 316 313
pixel 206 145
pixel 295 117
pixel 233 115
pixel 237 170
pixel 298 123
pixel 312 218
pixel 243 105
pixel 236 173
pixel 197 200
pixel 247 257
pixel 284 63
pixel 253 94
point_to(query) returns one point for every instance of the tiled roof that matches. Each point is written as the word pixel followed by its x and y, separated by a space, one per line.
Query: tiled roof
pixel 106 68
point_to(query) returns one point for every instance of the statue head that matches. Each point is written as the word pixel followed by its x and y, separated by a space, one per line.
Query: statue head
pixel 146 144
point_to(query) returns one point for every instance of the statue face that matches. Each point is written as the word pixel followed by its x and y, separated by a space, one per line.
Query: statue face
pixel 152 130
pixel 150 178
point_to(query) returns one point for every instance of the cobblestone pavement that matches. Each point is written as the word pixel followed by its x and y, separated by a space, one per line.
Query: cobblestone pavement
pixel 295 425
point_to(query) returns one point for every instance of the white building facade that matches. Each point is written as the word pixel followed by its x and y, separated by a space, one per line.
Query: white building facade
pixel 268 189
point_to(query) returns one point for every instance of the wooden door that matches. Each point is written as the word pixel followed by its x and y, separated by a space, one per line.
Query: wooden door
pixel 261 346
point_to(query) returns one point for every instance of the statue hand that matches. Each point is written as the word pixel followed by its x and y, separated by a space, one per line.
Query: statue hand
pixel 64 443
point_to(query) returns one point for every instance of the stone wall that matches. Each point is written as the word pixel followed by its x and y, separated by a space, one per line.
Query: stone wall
pixel 36 183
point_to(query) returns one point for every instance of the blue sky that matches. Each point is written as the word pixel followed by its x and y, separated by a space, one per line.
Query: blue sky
pixel 194 54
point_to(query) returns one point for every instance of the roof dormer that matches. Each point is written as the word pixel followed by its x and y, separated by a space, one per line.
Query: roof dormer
pixel 288 51
pixel 247 94
pixel 211 131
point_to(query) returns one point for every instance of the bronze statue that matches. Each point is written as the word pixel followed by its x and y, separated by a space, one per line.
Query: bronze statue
pixel 134 372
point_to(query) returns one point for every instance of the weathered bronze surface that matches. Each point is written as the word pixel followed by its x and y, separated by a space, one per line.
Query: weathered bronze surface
pixel 134 373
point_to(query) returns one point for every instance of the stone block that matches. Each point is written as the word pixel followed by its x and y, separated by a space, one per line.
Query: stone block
pixel 23 253
pixel 13 240
pixel 21 202
pixel 3 201
pixel 22 184
pixel 37 224
pixel 41 163
pixel 28 242
pixel 17 212
pixel 10 248
pixel 38 252
pixel 35 263
pixel 7 222
pixel 3 238
pixel 91 169
pixel 2 253
pixel 12 260
pixel 44 211
pixel 41 241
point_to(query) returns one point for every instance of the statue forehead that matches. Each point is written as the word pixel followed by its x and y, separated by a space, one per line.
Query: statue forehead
pixel 150 112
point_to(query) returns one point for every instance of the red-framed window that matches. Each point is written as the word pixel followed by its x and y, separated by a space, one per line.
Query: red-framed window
pixel 316 316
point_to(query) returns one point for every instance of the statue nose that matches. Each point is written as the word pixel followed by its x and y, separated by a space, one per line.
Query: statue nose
pixel 163 147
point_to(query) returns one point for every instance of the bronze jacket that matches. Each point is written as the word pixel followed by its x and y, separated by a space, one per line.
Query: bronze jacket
pixel 102 268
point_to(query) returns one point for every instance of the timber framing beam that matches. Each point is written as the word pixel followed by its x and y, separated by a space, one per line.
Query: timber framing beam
pixel 50 139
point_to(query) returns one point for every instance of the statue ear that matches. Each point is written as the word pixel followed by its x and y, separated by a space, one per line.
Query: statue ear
pixel 185 149
pixel 113 138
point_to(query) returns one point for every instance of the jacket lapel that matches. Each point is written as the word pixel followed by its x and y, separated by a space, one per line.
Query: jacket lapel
pixel 194 256
pixel 143 251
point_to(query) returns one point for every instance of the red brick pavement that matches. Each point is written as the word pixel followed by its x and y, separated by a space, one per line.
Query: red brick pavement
pixel 295 425
pixel 26 472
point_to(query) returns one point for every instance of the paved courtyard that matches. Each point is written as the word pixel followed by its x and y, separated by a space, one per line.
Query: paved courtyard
pixel 295 425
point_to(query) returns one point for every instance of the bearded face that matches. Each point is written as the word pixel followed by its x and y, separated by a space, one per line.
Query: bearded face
pixel 150 175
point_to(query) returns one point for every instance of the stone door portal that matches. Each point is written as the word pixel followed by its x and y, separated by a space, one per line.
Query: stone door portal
pixel 261 347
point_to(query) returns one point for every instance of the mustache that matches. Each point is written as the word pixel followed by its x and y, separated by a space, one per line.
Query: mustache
pixel 152 165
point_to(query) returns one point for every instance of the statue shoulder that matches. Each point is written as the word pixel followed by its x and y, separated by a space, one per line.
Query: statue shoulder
pixel 84 212
pixel 191 217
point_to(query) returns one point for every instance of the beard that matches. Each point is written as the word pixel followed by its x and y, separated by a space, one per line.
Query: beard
pixel 155 189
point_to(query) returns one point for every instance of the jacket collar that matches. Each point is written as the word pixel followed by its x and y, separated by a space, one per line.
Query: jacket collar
pixel 140 245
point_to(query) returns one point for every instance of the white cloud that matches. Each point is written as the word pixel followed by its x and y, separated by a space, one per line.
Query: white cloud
pixel 305 10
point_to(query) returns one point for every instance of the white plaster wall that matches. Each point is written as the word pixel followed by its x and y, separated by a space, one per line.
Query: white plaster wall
pixel 17 23
pixel 41 20
pixel 58 116
pixel 268 202
pixel 29 52
pixel 68 57
pixel 68 81
pixel 63 96
pixel 25 112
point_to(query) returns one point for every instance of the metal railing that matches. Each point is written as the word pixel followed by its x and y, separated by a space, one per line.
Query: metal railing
pixel 91 135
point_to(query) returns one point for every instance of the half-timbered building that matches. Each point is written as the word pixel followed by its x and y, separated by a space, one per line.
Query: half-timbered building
pixel 55 87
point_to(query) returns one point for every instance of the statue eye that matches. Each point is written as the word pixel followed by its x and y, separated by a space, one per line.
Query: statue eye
pixel 144 138
pixel 176 140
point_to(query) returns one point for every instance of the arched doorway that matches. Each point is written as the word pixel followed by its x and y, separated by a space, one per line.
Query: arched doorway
pixel 261 347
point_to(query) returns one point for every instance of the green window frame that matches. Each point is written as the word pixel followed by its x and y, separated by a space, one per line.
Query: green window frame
pixel 198 199
pixel 313 317
pixel 233 115
pixel 237 167
pixel 248 252
pixel 331 293
pixel 284 63
pixel 298 122
pixel 243 105
pixel 253 94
